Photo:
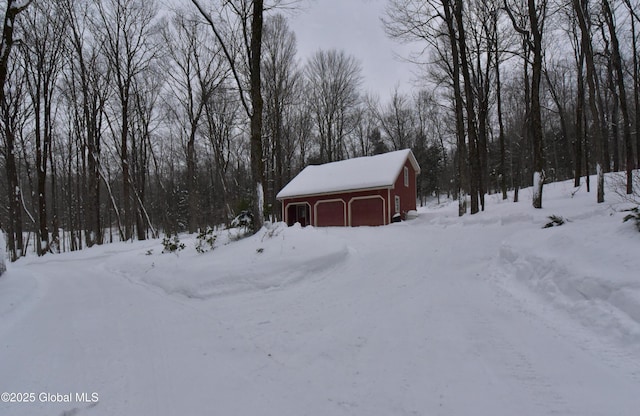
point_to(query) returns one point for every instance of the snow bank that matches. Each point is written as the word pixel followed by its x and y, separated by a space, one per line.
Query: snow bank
pixel 272 259
pixel 15 289
pixel 587 267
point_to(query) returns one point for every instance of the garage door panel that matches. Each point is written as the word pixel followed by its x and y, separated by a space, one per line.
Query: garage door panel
pixel 369 211
pixel 330 214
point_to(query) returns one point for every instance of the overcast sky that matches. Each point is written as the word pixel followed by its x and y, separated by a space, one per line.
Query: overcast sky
pixel 355 27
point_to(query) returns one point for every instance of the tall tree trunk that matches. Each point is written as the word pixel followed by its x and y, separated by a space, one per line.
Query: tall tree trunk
pixel 48 144
pixel 636 81
pixel 462 174
pixel 474 151
pixel 503 175
pixel 525 141
pixel 617 65
pixel 124 163
pixel 581 8
pixel 192 185
pixel 93 213
pixel 16 244
pixel 587 155
pixel 484 87
pixel 613 117
pixel 91 106
pixel 55 218
pixel 254 112
pixel 562 113
pixel 279 164
pixel 257 163
pixel 483 114
pixel 579 121
pixel 42 54
pixel 536 115
pixel 41 176
pixel 532 41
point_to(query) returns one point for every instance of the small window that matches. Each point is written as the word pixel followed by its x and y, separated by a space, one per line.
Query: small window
pixel 406 176
pixel 302 211
pixel 397 204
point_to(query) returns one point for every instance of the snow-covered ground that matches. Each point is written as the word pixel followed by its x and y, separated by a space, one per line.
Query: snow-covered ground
pixel 480 315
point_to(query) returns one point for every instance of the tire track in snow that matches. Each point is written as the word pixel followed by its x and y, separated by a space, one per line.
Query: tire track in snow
pixel 491 344
pixel 603 330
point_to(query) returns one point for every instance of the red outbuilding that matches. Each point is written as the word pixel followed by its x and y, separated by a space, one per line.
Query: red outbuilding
pixel 372 190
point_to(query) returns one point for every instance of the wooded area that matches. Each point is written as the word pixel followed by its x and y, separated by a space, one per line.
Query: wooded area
pixel 122 120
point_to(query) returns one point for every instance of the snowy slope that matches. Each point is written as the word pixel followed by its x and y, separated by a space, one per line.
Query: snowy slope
pixel 486 315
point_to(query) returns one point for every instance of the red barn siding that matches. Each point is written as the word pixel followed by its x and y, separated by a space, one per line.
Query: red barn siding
pixel 367 210
pixel 407 194
pixel 330 213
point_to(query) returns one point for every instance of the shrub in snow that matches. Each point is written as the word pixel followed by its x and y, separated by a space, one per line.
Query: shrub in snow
pixel 556 221
pixel 634 216
pixel 618 182
pixel 244 219
pixel 205 240
pixel 172 245
pixel 241 226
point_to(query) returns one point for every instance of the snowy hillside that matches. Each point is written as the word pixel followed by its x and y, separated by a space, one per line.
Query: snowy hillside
pixel 481 315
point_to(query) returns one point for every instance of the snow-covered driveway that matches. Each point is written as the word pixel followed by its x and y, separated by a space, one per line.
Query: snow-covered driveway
pixel 418 318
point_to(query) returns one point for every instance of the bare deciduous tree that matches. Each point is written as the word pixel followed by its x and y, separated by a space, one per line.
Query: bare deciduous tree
pixel 195 72
pixel 536 11
pixel 616 61
pixel 248 39
pixel 397 121
pixel 13 9
pixel 281 83
pixel 85 90
pixel 126 29
pixel 333 79
pixel 581 8
pixel 42 51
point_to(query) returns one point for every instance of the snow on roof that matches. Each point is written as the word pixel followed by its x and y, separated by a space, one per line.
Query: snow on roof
pixel 379 171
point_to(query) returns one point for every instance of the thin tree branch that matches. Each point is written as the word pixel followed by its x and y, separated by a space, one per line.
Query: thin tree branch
pixel 227 54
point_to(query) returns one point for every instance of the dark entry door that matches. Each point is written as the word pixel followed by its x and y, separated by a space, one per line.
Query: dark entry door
pixel 298 213
pixel 303 214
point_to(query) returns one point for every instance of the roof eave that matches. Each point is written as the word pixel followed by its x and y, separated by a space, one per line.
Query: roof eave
pixel 341 191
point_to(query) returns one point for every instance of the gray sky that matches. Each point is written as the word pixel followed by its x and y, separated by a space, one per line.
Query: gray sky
pixel 355 27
